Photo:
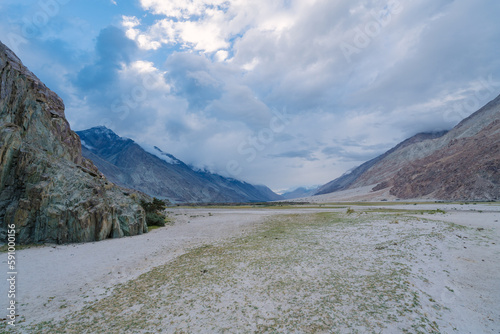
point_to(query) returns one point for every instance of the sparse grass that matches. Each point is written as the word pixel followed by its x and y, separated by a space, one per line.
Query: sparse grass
pixel 5 248
pixel 433 212
pixel 337 205
pixel 311 273
pixel 405 211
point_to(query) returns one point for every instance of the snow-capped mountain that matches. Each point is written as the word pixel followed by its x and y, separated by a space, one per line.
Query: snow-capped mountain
pixel 162 175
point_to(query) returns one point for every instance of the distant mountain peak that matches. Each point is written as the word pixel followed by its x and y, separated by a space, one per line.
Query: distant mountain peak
pixel 101 130
pixel 160 174
pixel 299 192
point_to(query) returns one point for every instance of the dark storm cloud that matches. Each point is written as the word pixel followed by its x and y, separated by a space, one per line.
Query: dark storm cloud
pixel 112 49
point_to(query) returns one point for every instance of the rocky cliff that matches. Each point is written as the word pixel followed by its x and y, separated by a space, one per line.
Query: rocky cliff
pixel 461 164
pixel 161 174
pixel 47 189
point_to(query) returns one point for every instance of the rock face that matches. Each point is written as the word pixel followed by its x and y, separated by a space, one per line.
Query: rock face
pixel 47 189
pixel 161 174
pixel 462 164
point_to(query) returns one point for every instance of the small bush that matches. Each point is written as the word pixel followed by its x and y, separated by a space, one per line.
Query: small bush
pixel 154 212
pixel 154 206
pixel 155 219
pixel 433 212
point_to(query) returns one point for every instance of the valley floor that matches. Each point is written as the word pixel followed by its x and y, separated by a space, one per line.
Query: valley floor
pixel 396 268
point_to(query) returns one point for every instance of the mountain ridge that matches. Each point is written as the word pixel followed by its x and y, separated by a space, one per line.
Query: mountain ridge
pixel 299 192
pixel 161 174
pixel 346 180
pixel 461 164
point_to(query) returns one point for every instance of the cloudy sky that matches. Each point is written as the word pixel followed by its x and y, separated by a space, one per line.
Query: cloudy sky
pixel 278 92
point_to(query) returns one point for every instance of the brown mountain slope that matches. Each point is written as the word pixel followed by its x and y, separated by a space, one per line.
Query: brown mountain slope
pixel 463 164
pixel 47 189
pixel 347 180
pixel 467 168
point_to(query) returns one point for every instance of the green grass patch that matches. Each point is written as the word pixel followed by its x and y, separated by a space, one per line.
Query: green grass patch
pixel 153 227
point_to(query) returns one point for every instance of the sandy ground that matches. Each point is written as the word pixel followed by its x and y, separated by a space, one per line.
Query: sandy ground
pixel 77 274
pixel 54 281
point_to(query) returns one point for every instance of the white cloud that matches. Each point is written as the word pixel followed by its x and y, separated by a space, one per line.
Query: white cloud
pixel 144 41
pixel 202 36
pixel 209 25
pixel 221 55
pixel 251 65
pixel 181 8
pixel 130 22
pixel 223 67
pixel 273 55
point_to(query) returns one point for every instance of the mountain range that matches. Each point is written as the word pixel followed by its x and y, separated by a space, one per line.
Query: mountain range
pixel 162 175
pixel 299 192
pixel 59 186
pixel 460 164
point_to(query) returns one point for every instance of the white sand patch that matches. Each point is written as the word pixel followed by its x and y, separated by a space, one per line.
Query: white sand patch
pixel 459 276
pixel 55 280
